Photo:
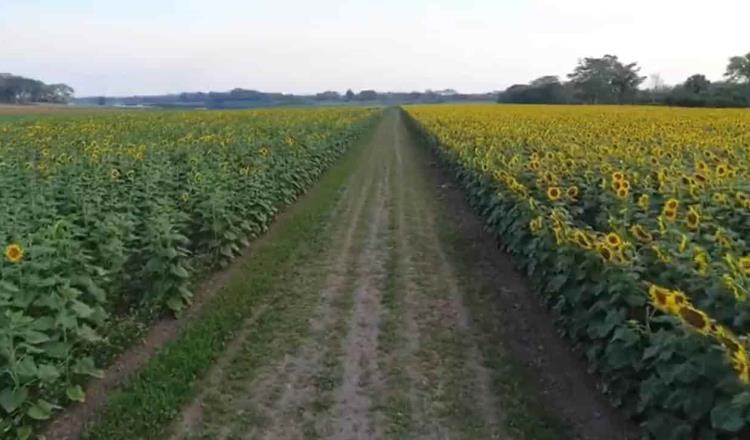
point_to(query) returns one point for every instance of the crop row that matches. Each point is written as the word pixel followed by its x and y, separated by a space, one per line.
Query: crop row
pixel 107 215
pixel 634 224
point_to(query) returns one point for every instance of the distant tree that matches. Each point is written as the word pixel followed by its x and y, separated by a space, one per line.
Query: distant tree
pixel 59 93
pixel 697 83
pixel 101 100
pixel 367 95
pixel 606 79
pixel 349 95
pixel 328 96
pixel 738 69
pixel 17 89
pixel 543 90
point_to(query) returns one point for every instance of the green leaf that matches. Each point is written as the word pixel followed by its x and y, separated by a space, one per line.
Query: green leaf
pixel 10 400
pixel 85 366
pixel 48 372
pixel 42 410
pixel 179 271
pixel 81 309
pixel 24 432
pixel 727 417
pixel 75 393
pixel 34 337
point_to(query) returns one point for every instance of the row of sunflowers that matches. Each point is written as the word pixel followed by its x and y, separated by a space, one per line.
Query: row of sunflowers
pixel 103 215
pixel 633 223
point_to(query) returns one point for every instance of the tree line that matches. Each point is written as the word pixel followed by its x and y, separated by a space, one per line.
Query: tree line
pixel 607 80
pixel 16 89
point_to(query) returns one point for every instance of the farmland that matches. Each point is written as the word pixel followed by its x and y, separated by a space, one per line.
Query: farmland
pixel 334 273
pixel 633 224
pixel 112 215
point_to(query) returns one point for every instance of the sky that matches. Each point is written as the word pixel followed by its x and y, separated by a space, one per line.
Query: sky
pixel 126 47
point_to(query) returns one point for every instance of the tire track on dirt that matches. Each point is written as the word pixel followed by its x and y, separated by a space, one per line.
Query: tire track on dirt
pixel 354 415
pixel 455 391
pixel 295 416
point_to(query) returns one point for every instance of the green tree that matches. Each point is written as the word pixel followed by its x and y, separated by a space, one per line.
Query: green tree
pixel 606 79
pixel 738 69
pixel 697 83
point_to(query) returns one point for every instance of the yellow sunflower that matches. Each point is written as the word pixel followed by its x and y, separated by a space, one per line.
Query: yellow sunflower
pixel 641 234
pixel 745 265
pixel 554 193
pixel 643 201
pixel 659 297
pixel 613 240
pixel 695 318
pixel 693 219
pixel 14 253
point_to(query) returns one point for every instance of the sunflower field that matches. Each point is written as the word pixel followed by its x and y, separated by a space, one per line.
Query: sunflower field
pixel 104 214
pixel 633 224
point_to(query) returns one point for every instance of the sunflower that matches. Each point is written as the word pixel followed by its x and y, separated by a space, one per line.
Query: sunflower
pixel 659 297
pixel 572 192
pixel 722 170
pixel 618 176
pixel 554 193
pixel 670 215
pixel 675 300
pixel 643 202
pixel 701 261
pixel 693 219
pixel 641 234
pixel 719 198
pixel 728 339
pixel 613 240
pixel 583 240
pixel 605 252
pixel 616 185
pixel 745 265
pixel 672 204
pixel 695 318
pixel 14 253
pixel 741 365
pixel 622 192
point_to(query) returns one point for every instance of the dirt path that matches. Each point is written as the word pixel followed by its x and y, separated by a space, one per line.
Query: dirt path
pixel 399 324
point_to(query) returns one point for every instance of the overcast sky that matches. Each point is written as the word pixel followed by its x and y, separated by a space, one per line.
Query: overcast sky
pixel 128 47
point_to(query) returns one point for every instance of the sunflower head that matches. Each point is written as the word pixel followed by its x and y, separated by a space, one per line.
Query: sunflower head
pixel 572 192
pixel 659 297
pixel 722 170
pixel 695 318
pixel 623 192
pixel 745 265
pixel 14 253
pixel 583 240
pixel 605 252
pixel 613 240
pixel 643 202
pixel 641 234
pixel 618 176
pixel 554 193
pixel 692 219
pixel 672 204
